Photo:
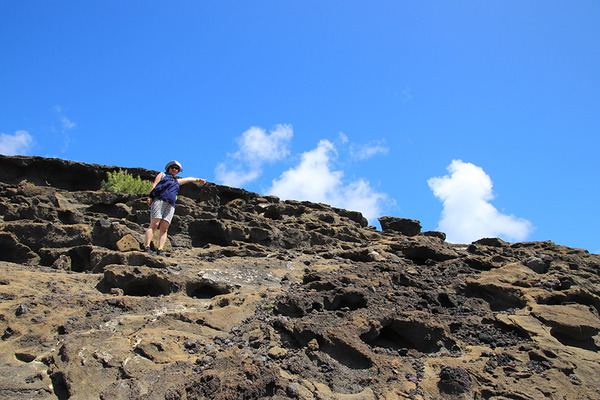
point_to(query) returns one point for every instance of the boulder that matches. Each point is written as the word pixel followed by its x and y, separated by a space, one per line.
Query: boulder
pixel 539 264
pixel 13 251
pixel 454 380
pixel 439 235
pixel 408 227
pixel 495 242
pixel 115 236
pixel 128 243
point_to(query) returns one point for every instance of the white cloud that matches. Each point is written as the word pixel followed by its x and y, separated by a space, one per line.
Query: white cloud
pixel 255 148
pixel 314 180
pixel 362 152
pixel 467 213
pixel 19 143
pixel 360 196
pixel 236 177
pixel 67 123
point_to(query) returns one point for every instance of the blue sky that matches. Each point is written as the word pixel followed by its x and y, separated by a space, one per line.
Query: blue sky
pixel 476 118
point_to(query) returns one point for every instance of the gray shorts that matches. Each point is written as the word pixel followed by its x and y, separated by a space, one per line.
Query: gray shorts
pixel 162 210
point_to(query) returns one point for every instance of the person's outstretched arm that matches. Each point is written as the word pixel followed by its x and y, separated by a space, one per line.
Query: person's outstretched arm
pixel 183 181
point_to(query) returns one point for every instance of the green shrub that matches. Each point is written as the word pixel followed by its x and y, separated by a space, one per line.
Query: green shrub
pixel 122 182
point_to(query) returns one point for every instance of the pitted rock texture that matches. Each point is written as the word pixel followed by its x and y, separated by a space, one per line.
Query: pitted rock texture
pixel 267 299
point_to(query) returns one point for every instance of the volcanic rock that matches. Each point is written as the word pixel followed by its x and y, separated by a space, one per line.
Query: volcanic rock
pixel 408 227
pixel 260 298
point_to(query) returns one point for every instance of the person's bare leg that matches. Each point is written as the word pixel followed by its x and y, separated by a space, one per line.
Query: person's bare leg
pixel 154 222
pixel 162 234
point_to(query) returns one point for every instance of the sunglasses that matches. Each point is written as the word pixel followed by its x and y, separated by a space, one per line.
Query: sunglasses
pixel 175 167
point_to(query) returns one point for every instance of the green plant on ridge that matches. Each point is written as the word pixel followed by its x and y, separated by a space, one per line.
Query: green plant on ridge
pixel 123 182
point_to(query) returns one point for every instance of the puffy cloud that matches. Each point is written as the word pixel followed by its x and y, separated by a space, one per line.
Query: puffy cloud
pixel 255 148
pixel 19 143
pixel 467 214
pixel 314 179
pixel 235 177
pixel 360 196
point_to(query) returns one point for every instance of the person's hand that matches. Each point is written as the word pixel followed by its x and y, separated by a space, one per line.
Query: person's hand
pixel 148 201
pixel 202 181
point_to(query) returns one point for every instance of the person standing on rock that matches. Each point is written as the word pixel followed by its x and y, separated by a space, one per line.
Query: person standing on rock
pixel 162 203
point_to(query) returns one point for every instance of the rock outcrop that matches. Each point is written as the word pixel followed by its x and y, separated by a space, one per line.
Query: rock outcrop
pixel 267 299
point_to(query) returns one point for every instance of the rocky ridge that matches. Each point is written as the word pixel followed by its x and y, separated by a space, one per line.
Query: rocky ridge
pixel 267 299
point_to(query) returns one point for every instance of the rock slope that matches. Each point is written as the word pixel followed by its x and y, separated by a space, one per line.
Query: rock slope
pixel 267 299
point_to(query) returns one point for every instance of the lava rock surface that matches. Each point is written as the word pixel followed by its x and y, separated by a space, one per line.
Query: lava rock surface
pixel 266 299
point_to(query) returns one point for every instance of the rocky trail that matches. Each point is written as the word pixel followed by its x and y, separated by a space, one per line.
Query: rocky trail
pixel 266 299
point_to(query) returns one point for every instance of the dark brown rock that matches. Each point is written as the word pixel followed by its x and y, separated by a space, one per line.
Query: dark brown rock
pixel 408 227
pixel 14 251
pixel 454 380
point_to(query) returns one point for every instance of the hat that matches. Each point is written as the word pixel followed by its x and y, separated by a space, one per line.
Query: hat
pixel 170 163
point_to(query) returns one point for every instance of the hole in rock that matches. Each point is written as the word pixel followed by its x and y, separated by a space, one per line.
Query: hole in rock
pixel 80 258
pixel 272 212
pixel 203 232
pixel 205 290
pixel 140 352
pixel 352 300
pixel 415 335
pixel 499 299
pixel 68 217
pixel 587 344
pixel 445 300
pixel 60 386
pixel 152 286
pixel 346 355
pixel 291 307
pixel 25 357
